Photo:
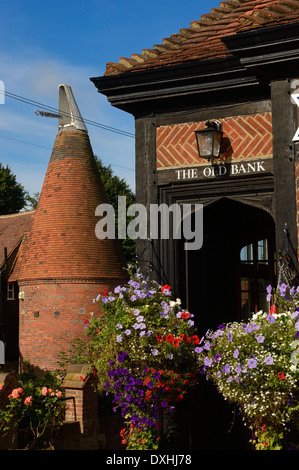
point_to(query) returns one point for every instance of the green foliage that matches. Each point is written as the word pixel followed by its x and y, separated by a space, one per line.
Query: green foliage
pixel 32 201
pixel 145 351
pixel 114 187
pixel 254 365
pixel 36 404
pixel 13 196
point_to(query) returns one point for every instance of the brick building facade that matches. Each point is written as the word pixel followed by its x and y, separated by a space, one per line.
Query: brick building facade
pixel 237 65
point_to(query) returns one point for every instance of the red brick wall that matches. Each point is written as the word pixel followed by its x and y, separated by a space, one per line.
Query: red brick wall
pixel 244 137
pixel 51 316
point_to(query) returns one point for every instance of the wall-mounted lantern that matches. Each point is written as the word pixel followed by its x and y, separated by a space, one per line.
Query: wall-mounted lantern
pixel 209 140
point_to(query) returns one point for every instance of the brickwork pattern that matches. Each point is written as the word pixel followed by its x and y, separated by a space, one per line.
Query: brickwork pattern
pixel 244 137
pixel 51 316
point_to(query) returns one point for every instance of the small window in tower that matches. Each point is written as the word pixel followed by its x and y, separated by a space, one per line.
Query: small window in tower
pixel 10 291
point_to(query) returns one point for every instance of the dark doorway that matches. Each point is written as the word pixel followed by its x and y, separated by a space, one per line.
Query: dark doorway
pixel 224 281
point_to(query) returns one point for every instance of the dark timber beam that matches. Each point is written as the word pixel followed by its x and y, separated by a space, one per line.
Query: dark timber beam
pixel 284 126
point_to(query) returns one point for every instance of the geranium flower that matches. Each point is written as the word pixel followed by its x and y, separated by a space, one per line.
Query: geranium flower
pixel 166 289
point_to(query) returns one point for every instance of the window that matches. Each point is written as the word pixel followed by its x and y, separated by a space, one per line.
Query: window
pixel 10 291
pixel 255 277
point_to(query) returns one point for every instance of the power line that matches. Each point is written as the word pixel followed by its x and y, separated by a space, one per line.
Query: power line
pixel 50 108
pixel 48 148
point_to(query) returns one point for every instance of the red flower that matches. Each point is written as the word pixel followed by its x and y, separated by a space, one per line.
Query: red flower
pixel 273 309
pixel 169 338
pixel 185 315
pixel 159 338
pixel 176 342
pixel 195 339
pixel 166 287
pixel 105 293
pixel 281 375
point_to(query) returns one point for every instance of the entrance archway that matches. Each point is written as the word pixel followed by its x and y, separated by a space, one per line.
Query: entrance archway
pixel 226 279
pixel 222 282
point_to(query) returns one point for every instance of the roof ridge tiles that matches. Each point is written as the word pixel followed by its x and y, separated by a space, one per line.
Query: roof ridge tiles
pixel 229 17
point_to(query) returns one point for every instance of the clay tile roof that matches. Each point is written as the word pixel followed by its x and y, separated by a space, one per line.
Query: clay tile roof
pixel 62 243
pixel 202 39
pixel 12 229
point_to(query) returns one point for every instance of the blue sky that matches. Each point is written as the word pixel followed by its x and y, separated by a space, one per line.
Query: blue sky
pixel 44 44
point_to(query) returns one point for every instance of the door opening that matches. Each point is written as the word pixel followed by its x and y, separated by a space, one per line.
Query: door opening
pixel 226 279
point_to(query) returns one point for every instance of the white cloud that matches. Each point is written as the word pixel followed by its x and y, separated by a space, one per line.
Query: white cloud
pixel 37 78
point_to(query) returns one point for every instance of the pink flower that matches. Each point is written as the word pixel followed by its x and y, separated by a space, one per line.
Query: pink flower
pixel 15 393
pixel 58 394
pixel 28 401
pixel 44 391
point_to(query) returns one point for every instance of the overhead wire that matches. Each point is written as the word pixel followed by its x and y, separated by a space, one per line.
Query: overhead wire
pixel 52 109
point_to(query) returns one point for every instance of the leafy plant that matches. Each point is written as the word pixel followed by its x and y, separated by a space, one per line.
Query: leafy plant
pixel 35 404
pixel 254 365
pixel 146 354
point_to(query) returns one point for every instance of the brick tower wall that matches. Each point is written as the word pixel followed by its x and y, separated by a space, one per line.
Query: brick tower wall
pixel 51 316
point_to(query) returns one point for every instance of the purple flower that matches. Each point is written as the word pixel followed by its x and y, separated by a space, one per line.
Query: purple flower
pixel 155 352
pixel 119 338
pixel 269 360
pixel 128 332
pixel 208 362
pixel 226 369
pixel 236 353
pixel 198 349
pixel 269 289
pixel 283 289
pixel 260 338
pixel 252 363
pixel 271 319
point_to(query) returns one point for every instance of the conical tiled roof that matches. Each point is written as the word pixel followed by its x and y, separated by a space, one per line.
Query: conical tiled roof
pixel 202 39
pixel 62 243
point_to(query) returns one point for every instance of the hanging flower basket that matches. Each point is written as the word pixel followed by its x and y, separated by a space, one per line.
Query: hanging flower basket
pixel 255 365
pixel 147 351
